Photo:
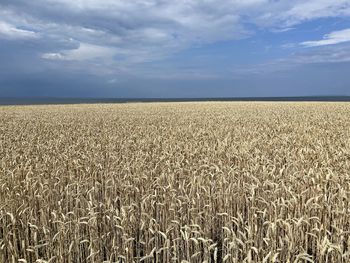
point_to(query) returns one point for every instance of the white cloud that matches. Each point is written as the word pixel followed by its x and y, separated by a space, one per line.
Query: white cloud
pixel 89 52
pixel 53 56
pixel 12 32
pixel 170 25
pixel 84 52
pixel 124 33
pixel 282 30
pixel 312 9
pixel 333 38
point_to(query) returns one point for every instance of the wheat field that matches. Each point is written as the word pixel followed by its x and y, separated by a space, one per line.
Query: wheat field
pixel 175 182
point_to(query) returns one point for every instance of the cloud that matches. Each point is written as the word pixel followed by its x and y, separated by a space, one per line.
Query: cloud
pixel 12 32
pixel 53 56
pixel 282 30
pixel 333 38
pixel 119 35
pixel 85 51
pixel 190 20
pixel 327 54
pixel 300 11
pixel 323 55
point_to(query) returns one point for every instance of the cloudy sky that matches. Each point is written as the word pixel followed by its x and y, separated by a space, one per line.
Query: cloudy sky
pixel 183 48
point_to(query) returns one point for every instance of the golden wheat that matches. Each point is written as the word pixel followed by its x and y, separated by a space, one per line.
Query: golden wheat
pixel 175 182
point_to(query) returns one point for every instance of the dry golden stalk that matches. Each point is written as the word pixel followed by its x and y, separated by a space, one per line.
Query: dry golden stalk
pixel 175 182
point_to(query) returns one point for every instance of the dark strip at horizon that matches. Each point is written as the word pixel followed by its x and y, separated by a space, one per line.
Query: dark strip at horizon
pixel 49 101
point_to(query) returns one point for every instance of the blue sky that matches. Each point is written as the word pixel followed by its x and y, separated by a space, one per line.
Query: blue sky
pixel 184 48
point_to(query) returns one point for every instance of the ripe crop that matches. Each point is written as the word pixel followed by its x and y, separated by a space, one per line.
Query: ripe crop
pixel 175 182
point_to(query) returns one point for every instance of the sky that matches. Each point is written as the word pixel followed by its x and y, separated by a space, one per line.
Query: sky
pixel 182 48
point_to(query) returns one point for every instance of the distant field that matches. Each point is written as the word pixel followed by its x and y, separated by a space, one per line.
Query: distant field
pixel 50 100
pixel 175 182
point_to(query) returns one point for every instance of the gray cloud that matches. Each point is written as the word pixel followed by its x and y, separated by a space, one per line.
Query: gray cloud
pixel 12 32
pixel 116 41
pixel 146 30
pixel 323 55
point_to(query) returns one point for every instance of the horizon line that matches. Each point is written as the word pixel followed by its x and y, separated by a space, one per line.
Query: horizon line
pixel 95 100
